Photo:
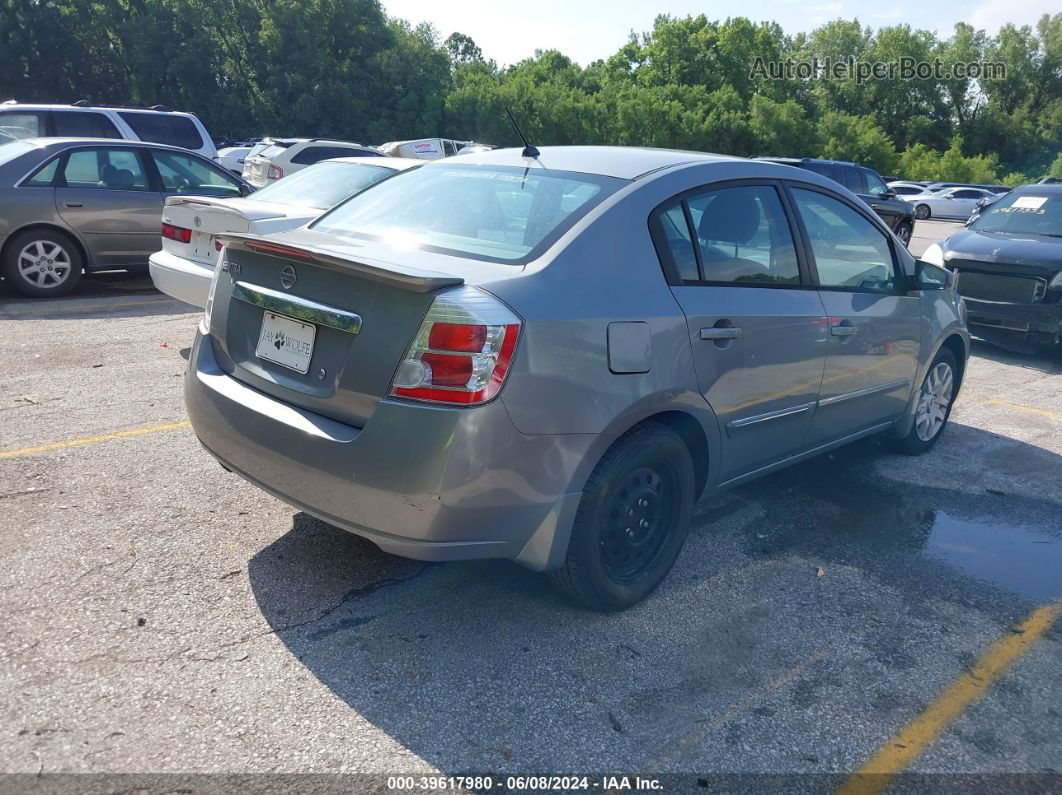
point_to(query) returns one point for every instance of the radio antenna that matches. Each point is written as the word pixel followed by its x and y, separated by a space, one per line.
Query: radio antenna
pixel 529 150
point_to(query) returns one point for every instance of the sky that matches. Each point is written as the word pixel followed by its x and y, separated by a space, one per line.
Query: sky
pixel 588 30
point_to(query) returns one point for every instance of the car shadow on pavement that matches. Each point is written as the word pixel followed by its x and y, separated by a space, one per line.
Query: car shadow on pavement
pixel 847 569
pixel 1045 359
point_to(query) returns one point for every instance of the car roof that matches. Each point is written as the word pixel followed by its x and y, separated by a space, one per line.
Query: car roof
pixel 1039 187
pixel 624 162
pixel 52 144
pixel 397 163
pixel 16 106
pixel 798 160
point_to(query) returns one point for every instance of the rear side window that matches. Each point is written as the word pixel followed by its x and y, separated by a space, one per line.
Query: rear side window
pixel 968 194
pixel 105 169
pixel 315 154
pixel 188 174
pixel 83 124
pixel 494 213
pixel 674 243
pixel 21 125
pixel 741 236
pixel 850 252
pixel 819 168
pixel 853 180
pixel 161 128
pixel 45 175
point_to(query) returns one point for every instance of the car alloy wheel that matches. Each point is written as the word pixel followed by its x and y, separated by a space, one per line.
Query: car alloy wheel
pixel 904 233
pixel 44 264
pixel 922 212
pixel 933 401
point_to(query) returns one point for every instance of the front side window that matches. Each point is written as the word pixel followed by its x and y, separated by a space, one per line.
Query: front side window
pixel 743 236
pixel 161 128
pixel 875 185
pixel 105 169
pixel 494 213
pixel 968 194
pixel 850 251
pixel 83 124
pixel 187 174
pixel 322 185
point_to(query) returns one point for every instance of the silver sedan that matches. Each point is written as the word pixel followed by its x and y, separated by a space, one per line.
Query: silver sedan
pixel 954 203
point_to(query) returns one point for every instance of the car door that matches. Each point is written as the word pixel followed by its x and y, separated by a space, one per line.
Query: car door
pixel 756 325
pixel 874 326
pixel 105 194
pixel 964 201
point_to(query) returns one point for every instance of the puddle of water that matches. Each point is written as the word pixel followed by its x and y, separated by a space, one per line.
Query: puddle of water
pixel 1022 559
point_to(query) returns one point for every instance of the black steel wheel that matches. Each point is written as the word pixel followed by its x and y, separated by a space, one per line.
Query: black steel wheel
pixel 632 520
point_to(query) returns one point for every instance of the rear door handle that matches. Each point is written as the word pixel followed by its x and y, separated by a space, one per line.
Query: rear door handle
pixel 721 333
pixel 72 204
pixel 845 329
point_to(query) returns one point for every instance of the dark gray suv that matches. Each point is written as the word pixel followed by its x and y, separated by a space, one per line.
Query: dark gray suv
pixel 549 358
pixel 865 183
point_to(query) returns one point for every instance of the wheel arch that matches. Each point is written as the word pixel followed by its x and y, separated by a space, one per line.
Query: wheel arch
pixel 82 249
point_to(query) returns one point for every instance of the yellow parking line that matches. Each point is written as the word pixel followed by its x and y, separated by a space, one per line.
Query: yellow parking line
pixel 1055 415
pixel 84 440
pixel 902 749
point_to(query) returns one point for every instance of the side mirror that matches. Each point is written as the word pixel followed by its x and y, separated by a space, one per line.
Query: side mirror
pixel 928 276
pixel 889 194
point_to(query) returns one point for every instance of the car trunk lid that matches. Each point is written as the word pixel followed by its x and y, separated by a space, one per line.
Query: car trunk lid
pixel 206 218
pixel 316 322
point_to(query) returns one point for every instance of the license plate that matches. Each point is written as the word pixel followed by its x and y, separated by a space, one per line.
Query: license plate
pixel 286 341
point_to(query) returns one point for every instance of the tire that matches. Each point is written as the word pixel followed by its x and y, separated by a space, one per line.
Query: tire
pixel 925 433
pixel 43 263
pixel 904 231
pixel 645 477
pixel 922 212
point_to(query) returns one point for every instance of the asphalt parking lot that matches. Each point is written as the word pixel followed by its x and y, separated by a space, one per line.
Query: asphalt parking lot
pixel 161 615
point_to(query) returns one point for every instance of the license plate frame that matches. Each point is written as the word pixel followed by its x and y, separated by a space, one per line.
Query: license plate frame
pixel 296 341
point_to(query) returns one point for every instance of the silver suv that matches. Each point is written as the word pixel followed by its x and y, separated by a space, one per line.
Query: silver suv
pixel 157 124
pixel 548 358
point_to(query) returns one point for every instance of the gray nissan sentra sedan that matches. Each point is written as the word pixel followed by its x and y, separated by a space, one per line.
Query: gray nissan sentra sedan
pixel 548 359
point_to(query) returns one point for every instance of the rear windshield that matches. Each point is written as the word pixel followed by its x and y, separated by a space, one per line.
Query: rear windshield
pixel 257 149
pixel 485 212
pixel 1024 214
pixel 160 128
pixel 271 151
pixel 322 185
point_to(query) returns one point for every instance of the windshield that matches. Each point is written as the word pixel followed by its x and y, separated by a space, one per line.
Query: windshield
pixel 322 185
pixel 1027 214
pixel 486 212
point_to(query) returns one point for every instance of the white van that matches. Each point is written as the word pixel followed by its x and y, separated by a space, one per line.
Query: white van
pixel 431 148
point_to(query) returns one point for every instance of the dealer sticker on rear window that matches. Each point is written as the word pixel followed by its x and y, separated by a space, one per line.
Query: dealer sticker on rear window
pixel 1029 202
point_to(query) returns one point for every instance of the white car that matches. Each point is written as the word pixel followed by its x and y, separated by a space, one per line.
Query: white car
pixel 902 188
pixel 233 157
pixel 157 124
pixel 185 265
pixel 281 157
pixel 954 203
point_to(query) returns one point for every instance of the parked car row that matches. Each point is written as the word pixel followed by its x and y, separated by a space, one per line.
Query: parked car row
pixel 91 204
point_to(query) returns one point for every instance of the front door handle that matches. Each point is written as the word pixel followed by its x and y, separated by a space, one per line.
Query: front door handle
pixel 72 204
pixel 720 333
pixel 844 329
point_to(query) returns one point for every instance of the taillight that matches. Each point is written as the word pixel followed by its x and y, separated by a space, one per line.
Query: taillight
pixel 275 172
pixel 178 233
pixel 462 351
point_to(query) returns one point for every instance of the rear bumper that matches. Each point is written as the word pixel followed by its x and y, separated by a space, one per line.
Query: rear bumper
pixel 1024 318
pixel 181 278
pixel 418 481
